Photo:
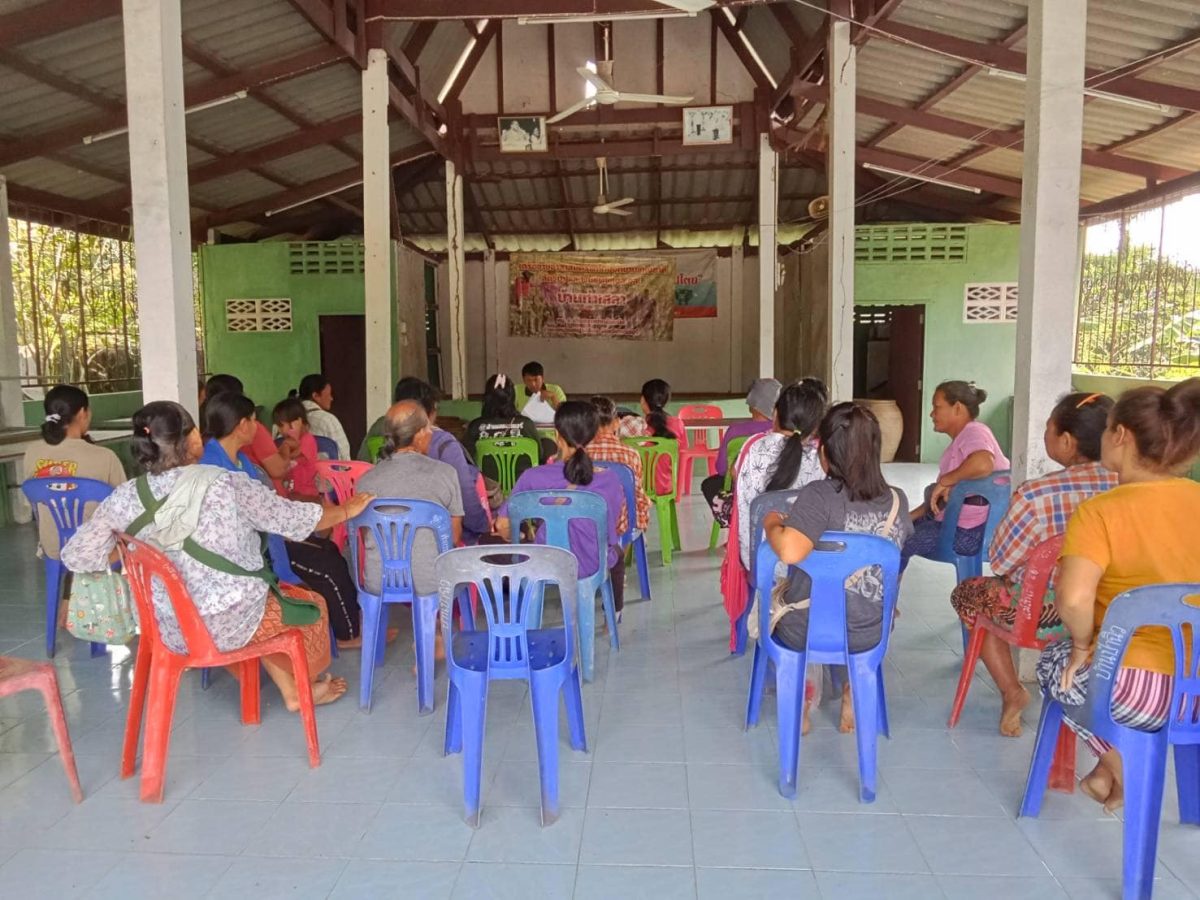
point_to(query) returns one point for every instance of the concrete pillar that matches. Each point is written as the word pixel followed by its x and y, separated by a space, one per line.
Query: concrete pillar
pixel 768 253
pixel 840 166
pixel 456 281
pixel 161 218
pixel 736 318
pixel 11 413
pixel 377 225
pixel 491 327
pixel 1049 275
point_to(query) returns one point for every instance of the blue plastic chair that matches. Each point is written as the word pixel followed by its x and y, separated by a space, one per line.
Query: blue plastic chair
pixel 510 580
pixel 562 512
pixel 392 524
pixel 997 490
pixel 327 447
pixel 631 537
pixel 64 500
pixel 1143 753
pixel 769 501
pixel 839 555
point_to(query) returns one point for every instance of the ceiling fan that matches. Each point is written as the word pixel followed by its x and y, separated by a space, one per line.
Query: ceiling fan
pixel 603 206
pixel 688 6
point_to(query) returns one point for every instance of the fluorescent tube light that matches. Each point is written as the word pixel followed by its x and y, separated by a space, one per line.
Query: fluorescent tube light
pixel 314 197
pixel 1121 99
pixel 900 173
pixel 209 104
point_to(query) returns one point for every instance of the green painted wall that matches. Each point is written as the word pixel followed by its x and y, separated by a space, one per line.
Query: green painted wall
pixel 984 354
pixel 271 364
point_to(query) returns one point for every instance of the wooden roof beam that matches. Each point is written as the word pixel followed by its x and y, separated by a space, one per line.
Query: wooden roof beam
pixel 734 37
pixel 483 40
pixel 53 17
pixel 499 9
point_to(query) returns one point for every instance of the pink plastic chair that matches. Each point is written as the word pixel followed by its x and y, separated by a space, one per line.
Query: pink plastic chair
pixel 25 675
pixel 695 445
pixel 338 479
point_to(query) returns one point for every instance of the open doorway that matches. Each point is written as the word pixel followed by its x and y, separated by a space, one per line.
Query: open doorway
pixel 343 352
pixel 889 359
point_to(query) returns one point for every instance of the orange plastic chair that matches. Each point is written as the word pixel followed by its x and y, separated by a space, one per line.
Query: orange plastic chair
pixel 340 476
pixel 159 669
pixel 25 675
pixel 695 445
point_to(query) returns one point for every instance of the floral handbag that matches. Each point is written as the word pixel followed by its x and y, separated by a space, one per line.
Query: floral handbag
pixel 100 609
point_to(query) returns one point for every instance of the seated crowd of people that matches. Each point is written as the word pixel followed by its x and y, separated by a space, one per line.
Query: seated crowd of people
pixel 1120 499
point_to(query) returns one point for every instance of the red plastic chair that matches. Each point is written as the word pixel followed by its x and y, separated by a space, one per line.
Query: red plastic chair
pixel 340 476
pixel 25 675
pixel 695 445
pixel 159 669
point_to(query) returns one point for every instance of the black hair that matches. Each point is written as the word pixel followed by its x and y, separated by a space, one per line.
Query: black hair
pixel 62 404
pixel 798 410
pixel 964 392
pixel 220 384
pixel 605 409
pixel 412 388
pixel 849 436
pixel 289 410
pixel 1083 416
pixel 499 402
pixel 657 394
pixel 224 412
pixel 1165 423
pixel 576 422
pixel 533 368
pixel 160 436
pixel 309 385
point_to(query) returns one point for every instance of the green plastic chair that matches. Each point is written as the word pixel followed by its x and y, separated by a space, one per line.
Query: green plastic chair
pixel 651 450
pixel 731 454
pixel 375 447
pixel 506 454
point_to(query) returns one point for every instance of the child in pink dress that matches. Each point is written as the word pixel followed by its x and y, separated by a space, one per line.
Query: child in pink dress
pixel 299 448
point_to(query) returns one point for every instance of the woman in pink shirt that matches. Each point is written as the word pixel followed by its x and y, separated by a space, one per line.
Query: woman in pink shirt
pixel 291 419
pixel 656 394
pixel 973 453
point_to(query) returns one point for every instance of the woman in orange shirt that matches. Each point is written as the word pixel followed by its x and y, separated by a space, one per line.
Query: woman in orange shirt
pixel 1140 532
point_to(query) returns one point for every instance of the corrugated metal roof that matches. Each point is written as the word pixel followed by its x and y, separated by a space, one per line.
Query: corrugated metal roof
pixel 238 31
pixel 974 20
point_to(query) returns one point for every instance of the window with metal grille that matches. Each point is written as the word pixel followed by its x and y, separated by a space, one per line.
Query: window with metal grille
pixel 990 303
pixel 910 243
pixel 325 258
pixel 270 314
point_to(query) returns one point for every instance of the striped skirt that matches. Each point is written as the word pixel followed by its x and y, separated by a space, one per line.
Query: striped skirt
pixel 1140 698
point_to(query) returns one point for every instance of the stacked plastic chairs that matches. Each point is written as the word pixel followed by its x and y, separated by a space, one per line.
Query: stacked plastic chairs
pixel 506 455
pixel 64 500
pixel 696 446
pixel 652 450
pixel 510 581
pixel 838 556
pixel 564 513
pixel 339 478
pixel 1143 753
pixel 731 454
pixel 632 537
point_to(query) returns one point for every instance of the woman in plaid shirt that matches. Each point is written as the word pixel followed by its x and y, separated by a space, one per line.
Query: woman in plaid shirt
pixel 1040 509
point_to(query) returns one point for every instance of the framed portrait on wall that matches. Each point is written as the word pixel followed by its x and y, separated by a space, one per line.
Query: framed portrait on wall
pixel 522 134
pixel 708 125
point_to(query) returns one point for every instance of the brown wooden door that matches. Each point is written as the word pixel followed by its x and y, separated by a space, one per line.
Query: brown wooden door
pixel 906 367
pixel 343 348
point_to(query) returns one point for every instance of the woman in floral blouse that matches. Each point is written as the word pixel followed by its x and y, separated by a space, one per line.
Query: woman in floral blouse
pixel 223 512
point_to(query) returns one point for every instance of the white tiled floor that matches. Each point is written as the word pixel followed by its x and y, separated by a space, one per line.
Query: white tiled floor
pixel 674 799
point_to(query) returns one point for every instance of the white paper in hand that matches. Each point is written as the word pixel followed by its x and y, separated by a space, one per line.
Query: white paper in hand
pixel 537 409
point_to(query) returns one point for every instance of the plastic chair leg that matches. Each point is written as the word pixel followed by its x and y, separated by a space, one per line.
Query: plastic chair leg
pixel 741 634
pixel 543 694
pixel 865 695
pixel 424 613
pixel 684 485
pixel 789 689
pixel 573 698
pixel 48 685
pixel 467 599
pixel 587 630
pixel 663 510
pixel 643 566
pixel 248 679
pixel 714 535
pixel 881 700
pixel 610 612
pixel 1145 770
pixel 758 677
pixel 675 527
pixel 473 705
pixel 1043 754
pixel 164 684
pixel 137 703
pixel 54 571
pixel 1062 769
pixel 372 614
pixel 1187 782
pixel 308 711
pixel 452 741
pixel 970 657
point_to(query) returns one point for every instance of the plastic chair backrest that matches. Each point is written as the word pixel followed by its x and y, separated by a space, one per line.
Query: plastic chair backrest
pixel 732 450
pixel 1166 606
pixel 375 446
pixel 393 524
pixel 838 555
pixel 506 453
pixel 326 447
pixel 768 501
pixel 143 565
pixel 341 476
pixel 651 450
pixel 698 439
pixel 629 485
pixel 558 510
pixel 509 579
pixel 1039 569
pixel 65 499
pixel 995 488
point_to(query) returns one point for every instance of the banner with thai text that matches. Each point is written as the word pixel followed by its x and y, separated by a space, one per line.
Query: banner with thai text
pixel 695 284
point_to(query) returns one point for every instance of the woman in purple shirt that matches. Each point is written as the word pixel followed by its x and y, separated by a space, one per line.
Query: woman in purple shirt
pixel 575 425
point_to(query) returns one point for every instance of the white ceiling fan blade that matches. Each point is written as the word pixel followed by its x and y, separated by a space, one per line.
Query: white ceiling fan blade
pixel 594 78
pixel 689 6
pixel 571 110
pixel 610 211
pixel 624 201
pixel 652 98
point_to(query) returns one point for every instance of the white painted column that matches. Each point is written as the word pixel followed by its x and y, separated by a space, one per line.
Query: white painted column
pixel 456 281
pixel 377 227
pixel 768 253
pixel 161 216
pixel 1049 275
pixel 11 413
pixel 840 168
pixel 736 318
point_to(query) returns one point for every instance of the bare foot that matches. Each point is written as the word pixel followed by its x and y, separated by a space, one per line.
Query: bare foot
pixel 846 725
pixel 806 721
pixel 1098 784
pixel 325 689
pixel 1010 713
pixel 1116 798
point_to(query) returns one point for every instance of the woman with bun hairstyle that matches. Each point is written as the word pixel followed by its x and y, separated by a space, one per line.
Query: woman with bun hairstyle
pixel 657 423
pixel 575 426
pixel 223 512
pixel 973 453
pixel 1141 532
pixel 316 393
pixel 499 419
pixel 65 450
pixel 1039 510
